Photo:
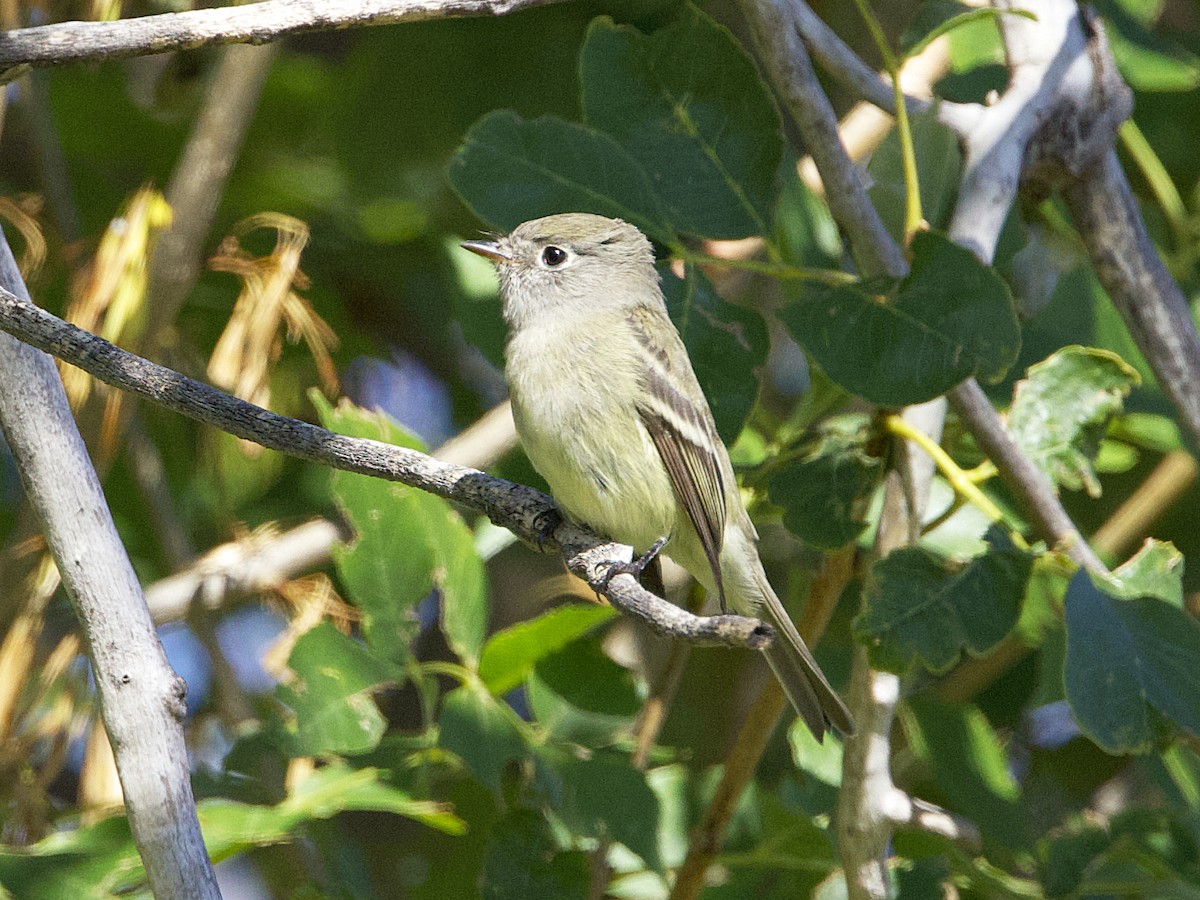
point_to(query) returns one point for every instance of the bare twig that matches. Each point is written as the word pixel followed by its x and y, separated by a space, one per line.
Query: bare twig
pixel 265 561
pixel 521 509
pixel 761 720
pixel 252 23
pixel 1155 310
pixel 141 698
pixel 198 182
pixel 243 568
pixel 775 36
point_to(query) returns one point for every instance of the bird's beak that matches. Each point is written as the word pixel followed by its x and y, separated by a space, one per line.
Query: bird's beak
pixel 487 249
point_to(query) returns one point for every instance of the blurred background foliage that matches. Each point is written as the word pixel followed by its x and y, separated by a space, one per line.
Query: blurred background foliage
pixel 436 712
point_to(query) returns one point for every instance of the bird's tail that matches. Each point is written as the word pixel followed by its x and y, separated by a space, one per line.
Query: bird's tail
pixel 802 679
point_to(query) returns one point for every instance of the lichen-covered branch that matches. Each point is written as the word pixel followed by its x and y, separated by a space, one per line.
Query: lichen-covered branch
pixel 521 509
pixel 250 23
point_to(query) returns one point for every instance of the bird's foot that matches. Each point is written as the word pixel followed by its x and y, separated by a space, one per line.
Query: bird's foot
pixel 636 567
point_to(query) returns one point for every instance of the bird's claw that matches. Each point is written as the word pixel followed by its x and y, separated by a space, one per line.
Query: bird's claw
pixel 634 568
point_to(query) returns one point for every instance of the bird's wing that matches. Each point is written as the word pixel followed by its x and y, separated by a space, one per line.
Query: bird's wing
pixel 677 416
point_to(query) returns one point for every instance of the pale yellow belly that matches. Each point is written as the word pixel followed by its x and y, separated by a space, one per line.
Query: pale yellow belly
pixel 605 474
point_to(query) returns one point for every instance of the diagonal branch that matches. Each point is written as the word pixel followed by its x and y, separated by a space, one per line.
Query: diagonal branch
pixel 521 509
pixel 252 23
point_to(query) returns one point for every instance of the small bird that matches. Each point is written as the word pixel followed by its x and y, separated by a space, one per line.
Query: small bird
pixel 610 413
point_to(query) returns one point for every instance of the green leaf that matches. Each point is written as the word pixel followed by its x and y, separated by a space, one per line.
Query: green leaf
pixel 1066 857
pixel 579 695
pixel 1146 60
pixel 951 318
pixel 1062 408
pixel 825 490
pixel 95 862
pixel 686 102
pixel 1156 570
pixel 587 678
pixel 724 342
pixel 1127 661
pixel 509 170
pixel 918 605
pixel 606 795
pixel 463 585
pixel 483 733
pixel 332 709
pixel 231 827
pixel 971 769
pixel 965 18
pixel 407 543
pixel 939 165
pixel 524 862
pixel 511 654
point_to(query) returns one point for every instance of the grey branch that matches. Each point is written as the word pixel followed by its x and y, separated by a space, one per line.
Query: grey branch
pixel 1030 485
pixel 266 560
pixel 253 565
pixel 251 23
pixel 198 181
pixel 1155 310
pixel 141 699
pixel 776 35
pixel 519 508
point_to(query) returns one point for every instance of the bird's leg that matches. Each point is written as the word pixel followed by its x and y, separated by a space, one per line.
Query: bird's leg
pixel 636 567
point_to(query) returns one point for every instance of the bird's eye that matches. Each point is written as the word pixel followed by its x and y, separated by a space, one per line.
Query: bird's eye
pixel 554 256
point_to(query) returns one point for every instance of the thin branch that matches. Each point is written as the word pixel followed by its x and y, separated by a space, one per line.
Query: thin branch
pixel 1030 484
pixel 521 509
pixel 263 562
pixel 760 723
pixel 773 29
pixel 253 23
pixel 1155 310
pixel 199 178
pixel 141 698
pixel 1130 522
pixel 243 568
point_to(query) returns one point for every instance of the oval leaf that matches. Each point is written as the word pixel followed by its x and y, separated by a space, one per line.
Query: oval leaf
pixel 688 105
pixel 511 654
pixel 917 605
pixel 1127 660
pixel 510 171
pixel 1061 411
pixel 951 318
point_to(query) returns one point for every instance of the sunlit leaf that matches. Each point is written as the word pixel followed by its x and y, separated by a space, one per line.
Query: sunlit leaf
pixel 1062 408
pixel 407 543
pixel 329 694
pixel 511 654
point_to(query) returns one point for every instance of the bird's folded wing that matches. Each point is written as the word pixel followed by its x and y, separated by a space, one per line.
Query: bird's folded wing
pixel 683 433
